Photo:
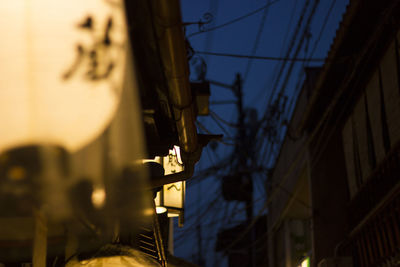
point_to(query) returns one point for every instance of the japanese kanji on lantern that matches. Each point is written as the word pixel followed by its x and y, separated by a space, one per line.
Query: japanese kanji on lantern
pixel 62 69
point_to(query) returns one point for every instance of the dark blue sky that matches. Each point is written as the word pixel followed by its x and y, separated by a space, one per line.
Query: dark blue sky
pixel 203 206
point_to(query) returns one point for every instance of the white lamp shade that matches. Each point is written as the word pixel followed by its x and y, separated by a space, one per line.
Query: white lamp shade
pixel 172 196
pixel 62 68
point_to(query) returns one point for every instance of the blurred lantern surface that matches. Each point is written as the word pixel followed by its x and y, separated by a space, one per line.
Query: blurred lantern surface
pixel 62 68
pixel 172 196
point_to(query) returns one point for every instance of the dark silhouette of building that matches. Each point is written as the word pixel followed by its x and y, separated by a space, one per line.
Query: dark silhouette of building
pixel 334 195
pixel 235 242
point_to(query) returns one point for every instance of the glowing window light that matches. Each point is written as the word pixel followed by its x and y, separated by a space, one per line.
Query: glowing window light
pixel 62 70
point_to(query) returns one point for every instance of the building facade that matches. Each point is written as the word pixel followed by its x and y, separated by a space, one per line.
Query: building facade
pixel 334 193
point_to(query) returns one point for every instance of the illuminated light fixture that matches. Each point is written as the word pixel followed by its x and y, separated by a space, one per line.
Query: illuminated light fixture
pixel 62 70
pixel 305 262
pixel 171 198
pixel 98 197
pixel 160 209
pixel 156 159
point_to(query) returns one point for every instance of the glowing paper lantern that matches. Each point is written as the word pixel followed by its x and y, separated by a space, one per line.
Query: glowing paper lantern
pixel 62 68
pixel 172 197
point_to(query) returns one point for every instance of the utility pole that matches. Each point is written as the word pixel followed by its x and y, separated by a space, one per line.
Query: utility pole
pixel 243 166
pixel 238 185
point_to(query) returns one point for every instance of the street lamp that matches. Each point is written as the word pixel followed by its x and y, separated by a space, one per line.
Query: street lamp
pixel 171 198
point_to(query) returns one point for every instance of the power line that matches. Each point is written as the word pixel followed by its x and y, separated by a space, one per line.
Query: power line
pixel 303 37
pixel 247 229
pixel 290 69
pixel 221 127
pixel 223 102
pixel 323 27
pixel 216 116
pixel 290 48
pixel 229 214
pixel 213 9
pixel 259 184
pixel 257 41
pixel 211 170
pixel 286 59
pixel 215 218
pixel 260 57
pixel 272 77
pixel 283 65
pixel 209 157
pixel 321 126
pixel 280 93
pixel 279 184
pixel 234 20
pixel 299 45
pixel 213 205
pixel 201 126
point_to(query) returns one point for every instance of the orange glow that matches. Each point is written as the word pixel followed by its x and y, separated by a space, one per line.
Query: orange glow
pixel 50 90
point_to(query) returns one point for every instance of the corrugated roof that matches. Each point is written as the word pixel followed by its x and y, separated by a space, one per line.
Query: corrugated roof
pixel 355 30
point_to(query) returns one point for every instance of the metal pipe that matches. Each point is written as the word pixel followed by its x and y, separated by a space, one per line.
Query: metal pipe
pixel 172 45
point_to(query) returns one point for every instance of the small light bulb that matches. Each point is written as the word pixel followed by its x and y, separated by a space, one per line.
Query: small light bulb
pixel 172 215
pixel 98 197
pixel 160 210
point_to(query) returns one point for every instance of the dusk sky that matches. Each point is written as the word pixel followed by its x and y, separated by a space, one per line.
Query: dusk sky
pixel 266 33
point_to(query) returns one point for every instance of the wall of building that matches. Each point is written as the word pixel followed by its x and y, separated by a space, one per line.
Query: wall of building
pixel 289 194
pixel 351 163
pixel 371 141
pixel 373 128
pixel 329 196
